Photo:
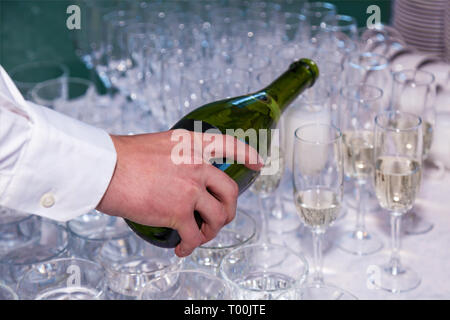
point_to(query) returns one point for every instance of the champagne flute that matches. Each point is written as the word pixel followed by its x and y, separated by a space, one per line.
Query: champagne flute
pixel 315 13
pixel 414 91
pixel 318 187
pixel 398 168
pixel 362 103
pixel 370 69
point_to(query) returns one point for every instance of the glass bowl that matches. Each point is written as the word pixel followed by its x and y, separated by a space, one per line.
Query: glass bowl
pixel 239 232
pixel 263 271
pixel 187 285
pixel 63 279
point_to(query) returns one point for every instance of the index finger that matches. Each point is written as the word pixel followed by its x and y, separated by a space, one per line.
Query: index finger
pixel 233 148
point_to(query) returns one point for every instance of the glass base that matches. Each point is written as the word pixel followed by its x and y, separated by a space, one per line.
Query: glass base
pixel 371 204
pixel 359 243
pixel 414 224
pixel 395 280
pixel 320 291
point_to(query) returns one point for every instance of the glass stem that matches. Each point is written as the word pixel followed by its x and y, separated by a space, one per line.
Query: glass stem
pixel 396 219
pixel 318 257
pixel 277 211
pixel 360 210
pixel 263 213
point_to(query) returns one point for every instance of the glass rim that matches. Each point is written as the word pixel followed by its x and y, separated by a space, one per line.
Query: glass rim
pixel 10 290
pixel 38 64
pixel 264 246
pixel 319 4
pixel 34 93
pixel 207 275
pixel 57 260
pixel 124 234
pixel 111 268
pixel 68 81
pixel 296 14
pixel 325 95
pixel 374 67
pixel 363 85
pixel 327 285
pixel 328 142
pixel 247 239
pixel 398 112
pixel 61 249
pixel 431 77
pixel 23 218
pixel 63 259
pixel 350 22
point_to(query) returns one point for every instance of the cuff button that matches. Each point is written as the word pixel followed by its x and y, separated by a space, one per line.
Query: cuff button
pixel 47 200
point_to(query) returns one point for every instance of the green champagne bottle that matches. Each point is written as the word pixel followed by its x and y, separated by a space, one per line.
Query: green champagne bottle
pixel 259 110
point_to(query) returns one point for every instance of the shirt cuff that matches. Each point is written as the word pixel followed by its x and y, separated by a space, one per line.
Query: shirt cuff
pixel 65 169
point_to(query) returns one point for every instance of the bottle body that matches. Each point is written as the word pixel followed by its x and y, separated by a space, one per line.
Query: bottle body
pixel 257 111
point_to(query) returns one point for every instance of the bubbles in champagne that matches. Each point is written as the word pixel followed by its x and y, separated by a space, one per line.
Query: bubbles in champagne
pixel 317 207
pixel 427 137
pixel 397 182
pixel 358 154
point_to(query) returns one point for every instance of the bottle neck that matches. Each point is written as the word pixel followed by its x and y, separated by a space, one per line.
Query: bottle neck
pixel 301 75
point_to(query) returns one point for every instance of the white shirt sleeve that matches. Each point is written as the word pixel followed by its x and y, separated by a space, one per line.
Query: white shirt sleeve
pixel 50 164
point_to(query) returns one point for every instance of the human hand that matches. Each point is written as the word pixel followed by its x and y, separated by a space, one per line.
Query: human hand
pixel 147 187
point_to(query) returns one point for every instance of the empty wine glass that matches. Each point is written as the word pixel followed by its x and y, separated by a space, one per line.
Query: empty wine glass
pixel 90 41
pixel 89 232
pixel 253 63
pixel 194 85
pixel 28 75
pixel 341 25
pixel 77 98
pixel 187 285
pixel 360 105
pixel 414 91
pixel 398 169
pixel 369 68
pixel 17 229
pixel 241 231
pixel 128 270
pixel 264 271
pixel 318 180
pixel 50 243
pixel 117 57
pixel 316 13
pixel 63 279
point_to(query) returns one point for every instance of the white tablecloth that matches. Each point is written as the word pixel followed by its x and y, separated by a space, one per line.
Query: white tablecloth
pixel 428 254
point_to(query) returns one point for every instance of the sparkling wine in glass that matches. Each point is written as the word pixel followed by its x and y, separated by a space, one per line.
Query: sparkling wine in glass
pixel 360 105
pixel 318 179
pixel 398 168
pixel 414 91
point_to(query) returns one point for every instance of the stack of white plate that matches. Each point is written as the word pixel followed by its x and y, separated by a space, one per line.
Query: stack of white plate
pixel 422 24
pixel 447 32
